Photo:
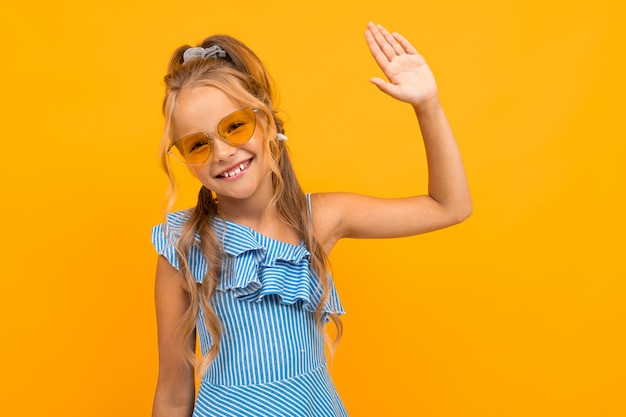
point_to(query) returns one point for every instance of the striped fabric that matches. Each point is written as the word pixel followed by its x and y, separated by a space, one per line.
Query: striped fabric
pixel 271 360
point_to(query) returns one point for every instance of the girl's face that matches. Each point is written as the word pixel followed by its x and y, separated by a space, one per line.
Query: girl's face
pixel 233 172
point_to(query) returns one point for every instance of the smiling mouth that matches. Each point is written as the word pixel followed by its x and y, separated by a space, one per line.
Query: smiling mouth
pixel 237 170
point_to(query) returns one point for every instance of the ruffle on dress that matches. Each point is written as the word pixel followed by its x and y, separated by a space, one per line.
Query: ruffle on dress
pixel 256 266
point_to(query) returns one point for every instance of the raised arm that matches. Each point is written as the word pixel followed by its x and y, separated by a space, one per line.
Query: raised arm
pixel 409 79
pixel 175 391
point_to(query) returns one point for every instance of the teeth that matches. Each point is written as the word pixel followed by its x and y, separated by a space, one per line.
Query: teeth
pixel 236 171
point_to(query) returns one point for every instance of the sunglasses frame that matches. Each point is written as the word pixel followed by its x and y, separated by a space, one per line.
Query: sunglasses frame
pixel 208 136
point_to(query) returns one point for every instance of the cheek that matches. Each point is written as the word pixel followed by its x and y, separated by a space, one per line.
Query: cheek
pixel 263 134
pixel 256 145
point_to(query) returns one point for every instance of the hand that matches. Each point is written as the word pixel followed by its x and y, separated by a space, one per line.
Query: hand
pixel 410 78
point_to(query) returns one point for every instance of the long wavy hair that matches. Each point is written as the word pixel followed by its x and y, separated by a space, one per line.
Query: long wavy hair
pixel 242 76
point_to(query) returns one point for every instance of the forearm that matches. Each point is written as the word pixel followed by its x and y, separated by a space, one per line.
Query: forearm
pixel 175 391
pixel 168 405
pixel 447 182
pixel 162 410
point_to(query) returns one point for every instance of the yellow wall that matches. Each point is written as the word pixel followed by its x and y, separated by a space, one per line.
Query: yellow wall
pixel 517 312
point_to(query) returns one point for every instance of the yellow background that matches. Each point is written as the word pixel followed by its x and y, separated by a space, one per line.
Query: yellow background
pixel 517 312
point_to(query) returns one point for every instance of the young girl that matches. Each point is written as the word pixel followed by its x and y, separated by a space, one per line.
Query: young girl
pixel 245 270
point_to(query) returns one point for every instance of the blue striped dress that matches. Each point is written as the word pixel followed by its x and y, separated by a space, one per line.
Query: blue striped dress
pixel 271 360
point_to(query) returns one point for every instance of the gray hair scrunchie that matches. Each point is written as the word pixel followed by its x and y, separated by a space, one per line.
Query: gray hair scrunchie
pixel 199 52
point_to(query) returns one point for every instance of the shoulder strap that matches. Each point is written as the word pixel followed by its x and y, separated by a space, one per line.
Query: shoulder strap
pixel 308 206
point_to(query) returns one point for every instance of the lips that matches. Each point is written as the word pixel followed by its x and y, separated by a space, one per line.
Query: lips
pixel 235 170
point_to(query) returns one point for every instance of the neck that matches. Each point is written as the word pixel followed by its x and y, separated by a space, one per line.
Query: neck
pixel 245 212
pixel 254 211
pixel 257 213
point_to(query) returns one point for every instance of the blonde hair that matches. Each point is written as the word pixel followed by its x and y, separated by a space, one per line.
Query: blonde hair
pixel 243 77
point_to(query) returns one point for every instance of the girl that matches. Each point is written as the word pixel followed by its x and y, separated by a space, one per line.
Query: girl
pixel 245 270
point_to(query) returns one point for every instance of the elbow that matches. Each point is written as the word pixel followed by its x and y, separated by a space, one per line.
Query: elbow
pixel 463 212
pixel 454 208
pixel 459 212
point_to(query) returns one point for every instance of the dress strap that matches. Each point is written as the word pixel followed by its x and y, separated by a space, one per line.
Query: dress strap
pixel 308 206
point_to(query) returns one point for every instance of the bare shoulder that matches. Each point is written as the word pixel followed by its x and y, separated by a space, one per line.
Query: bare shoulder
pixel 329 212
pixel 326 218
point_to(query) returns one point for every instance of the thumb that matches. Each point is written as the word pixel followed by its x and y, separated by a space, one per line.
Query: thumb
pixel 382 85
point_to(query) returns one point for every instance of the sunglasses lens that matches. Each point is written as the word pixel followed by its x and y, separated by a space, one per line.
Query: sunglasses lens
pixel 237 128
pixel 192 149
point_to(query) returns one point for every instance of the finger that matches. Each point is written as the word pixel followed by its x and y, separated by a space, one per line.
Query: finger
pixel 406 45
pixel 378 82
pixel 381 41
pixel 384 86
pixel 391 40
pixel 378 54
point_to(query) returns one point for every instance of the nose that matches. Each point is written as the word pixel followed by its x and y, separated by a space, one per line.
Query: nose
pixel 222 150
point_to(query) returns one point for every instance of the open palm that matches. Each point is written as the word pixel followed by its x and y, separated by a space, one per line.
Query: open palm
pixel 409 76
